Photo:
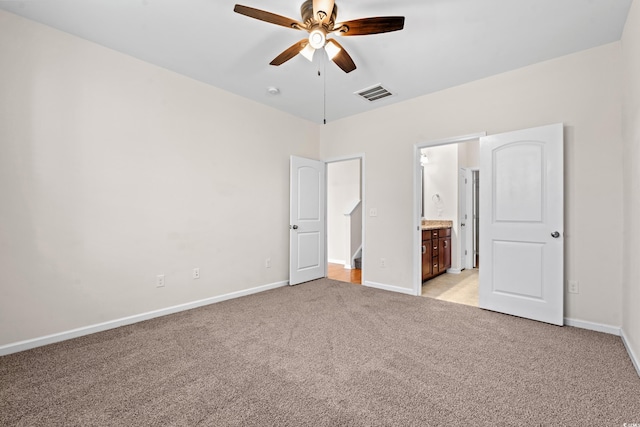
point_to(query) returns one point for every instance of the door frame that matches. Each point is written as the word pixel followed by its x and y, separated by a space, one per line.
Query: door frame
pixel 361 157
pixel 417 200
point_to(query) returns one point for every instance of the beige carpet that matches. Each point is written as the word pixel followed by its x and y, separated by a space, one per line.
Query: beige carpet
pixel 325 354
pixel 459 288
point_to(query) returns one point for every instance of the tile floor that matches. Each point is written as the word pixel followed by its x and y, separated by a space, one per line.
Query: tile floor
pixel 460 288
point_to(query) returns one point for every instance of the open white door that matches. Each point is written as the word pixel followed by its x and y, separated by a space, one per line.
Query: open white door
pixel 307 221
pixel 464 219
pixel 521 223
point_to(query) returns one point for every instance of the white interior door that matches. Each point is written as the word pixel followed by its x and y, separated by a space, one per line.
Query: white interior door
pixel 464 219
pixel 307 221
pixel 521 223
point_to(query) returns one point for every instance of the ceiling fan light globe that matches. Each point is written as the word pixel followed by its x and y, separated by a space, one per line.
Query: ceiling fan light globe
pixel 317 39
pixel 308 52
pixel 332 50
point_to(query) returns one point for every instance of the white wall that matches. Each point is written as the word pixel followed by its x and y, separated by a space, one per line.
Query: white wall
pixel 441 178
pixel 343 190
pixel 582 90
pixel 631 136
pixel 113 171
pixel 469 154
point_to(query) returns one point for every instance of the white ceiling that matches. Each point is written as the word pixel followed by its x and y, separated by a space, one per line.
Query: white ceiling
pixel 444 43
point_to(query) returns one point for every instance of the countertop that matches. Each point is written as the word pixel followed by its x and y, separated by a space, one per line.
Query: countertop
pixel 428 224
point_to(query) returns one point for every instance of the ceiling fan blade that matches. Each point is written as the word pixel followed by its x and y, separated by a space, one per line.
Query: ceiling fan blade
pixel 289 52
pixel 342 58
pixel 268 17
pixel 364 26
pixel 323 6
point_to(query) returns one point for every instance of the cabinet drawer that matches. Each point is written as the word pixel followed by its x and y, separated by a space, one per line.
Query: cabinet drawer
pixel 444 232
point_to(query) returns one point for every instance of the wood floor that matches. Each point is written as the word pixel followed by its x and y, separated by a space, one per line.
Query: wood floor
pixel 338 272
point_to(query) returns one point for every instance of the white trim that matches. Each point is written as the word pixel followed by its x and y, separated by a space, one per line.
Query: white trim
pixel 417 217
pixel 335 261
pixel 389 288
pixel 454 270
pixel 452 140
pixel 349 212
pixel 99 327
pixel 598 327
pixel 634 358
pixel 344 158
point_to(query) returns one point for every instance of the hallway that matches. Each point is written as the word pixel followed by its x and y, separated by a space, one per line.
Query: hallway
pixel 338 272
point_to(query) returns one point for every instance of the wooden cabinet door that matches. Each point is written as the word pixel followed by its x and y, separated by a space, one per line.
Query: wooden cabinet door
pixel 447 253
pixel 444 254
pixel 441 255
pixel 427 254
pixel 426 260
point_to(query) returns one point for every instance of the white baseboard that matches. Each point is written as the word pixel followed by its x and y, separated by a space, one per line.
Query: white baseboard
pixel 454 270
pixel 598 327
pixel 335 261
pixel 391 288
pixel 86 330
pixel 634 357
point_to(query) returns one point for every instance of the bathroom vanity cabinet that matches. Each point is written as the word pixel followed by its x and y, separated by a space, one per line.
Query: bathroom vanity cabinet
pixel 436 251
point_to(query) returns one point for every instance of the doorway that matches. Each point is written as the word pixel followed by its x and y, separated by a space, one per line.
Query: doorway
pixel 438 168
pixel 345 220
pixel 448 207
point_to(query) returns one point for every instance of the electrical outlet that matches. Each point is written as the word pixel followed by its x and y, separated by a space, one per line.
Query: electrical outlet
pixel 373 212
pixel 383 263
pixel 574 287
pixel 160 281
pixel 196 273
pixel 267 263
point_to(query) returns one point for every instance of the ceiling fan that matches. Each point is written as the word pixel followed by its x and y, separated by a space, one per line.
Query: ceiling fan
pixel 319 20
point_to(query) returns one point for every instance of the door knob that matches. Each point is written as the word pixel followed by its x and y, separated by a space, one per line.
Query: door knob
pixel 463 224
pixel 555 234
pixel 295 227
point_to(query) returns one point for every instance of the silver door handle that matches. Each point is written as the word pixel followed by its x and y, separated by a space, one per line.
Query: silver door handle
pixel 555 234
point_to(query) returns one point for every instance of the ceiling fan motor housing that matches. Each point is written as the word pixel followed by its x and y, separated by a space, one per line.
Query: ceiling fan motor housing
pixel 306 11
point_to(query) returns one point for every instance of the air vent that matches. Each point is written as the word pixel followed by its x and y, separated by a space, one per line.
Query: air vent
pixel 374 93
